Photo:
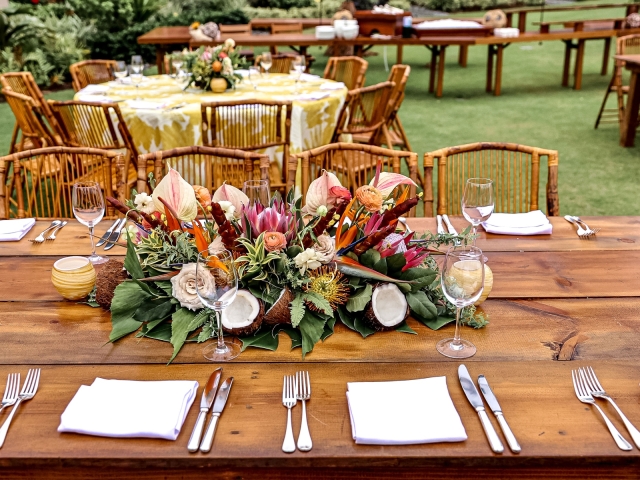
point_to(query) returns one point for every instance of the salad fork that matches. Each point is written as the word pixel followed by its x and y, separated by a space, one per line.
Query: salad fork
pixel 10 391
pixel 582 233
pixel 589 231
pixel 289 400
pixel 303 394
pixel 585 397
pixel 597 391
pixel 40 238
pixel 56 230
pixel 28 392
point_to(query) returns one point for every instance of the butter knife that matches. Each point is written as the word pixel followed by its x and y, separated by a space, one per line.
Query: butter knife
pixel 492 401
pixel 450 227
pixel 473 396
pixel 440 226
pixel 115 235
pixel 107 234
pixel 218 407
pixel 208 394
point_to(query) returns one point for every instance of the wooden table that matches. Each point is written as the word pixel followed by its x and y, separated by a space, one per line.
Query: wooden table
pixel 630 121
pixel 558 303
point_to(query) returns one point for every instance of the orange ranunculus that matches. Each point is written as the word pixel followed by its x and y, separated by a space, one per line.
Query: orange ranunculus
pixel 274 241
pixel 370 197
pixel 202 195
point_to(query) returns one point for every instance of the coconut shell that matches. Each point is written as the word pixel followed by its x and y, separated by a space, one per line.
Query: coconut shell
pixel 108 277
pixel 249 329
pixel 372 321
pixel 279 311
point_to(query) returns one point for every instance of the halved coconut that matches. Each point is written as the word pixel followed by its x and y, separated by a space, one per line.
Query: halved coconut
pixel 279 311
pixel 244 316
pixel 388 308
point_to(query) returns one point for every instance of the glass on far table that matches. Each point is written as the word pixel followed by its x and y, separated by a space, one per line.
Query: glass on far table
pixel 88 208
pixel 177 62
pixel 265 62
pixel 136 79
pixel 462 280
pixel 137 65
pixel 121 70
pixel 254 76
pixel 478 202
pixel 299 66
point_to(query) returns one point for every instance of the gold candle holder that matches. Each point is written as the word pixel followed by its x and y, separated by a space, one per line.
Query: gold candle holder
pixel 73 277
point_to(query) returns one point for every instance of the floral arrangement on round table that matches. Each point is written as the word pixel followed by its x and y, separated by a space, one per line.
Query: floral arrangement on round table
pixel 301 268
pixel 210 66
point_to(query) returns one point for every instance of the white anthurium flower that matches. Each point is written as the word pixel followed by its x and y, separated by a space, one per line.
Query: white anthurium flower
pixel 179 194
pixel 229 193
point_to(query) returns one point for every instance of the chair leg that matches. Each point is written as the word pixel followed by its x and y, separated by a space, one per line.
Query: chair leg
pixel 14 138
pixel 604 101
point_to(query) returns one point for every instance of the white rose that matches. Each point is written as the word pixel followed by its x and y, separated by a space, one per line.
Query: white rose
pixel 307 260
pixel 325 248
pixel 229 43
pixel 144 203
pixel 184 286
pixel 228 208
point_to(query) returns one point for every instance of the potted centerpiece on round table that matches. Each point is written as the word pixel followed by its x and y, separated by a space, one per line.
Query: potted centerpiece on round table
pixel 214 68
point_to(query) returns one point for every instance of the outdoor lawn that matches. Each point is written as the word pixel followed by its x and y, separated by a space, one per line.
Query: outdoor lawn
pixel 597 176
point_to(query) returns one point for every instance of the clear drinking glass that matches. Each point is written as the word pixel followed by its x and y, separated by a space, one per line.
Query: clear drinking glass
pixel 88 208
pixel 136 79
pixel 257 191
pixel 299 66
pixel 462 280
pixel 478 202
pixel 176 62
pixel 137 65
pixel 121 70
pixel 254 75
pixel 266 61
pixel 217 286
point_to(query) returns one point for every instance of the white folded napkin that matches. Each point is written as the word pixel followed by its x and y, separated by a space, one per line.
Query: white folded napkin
pixel 313 96
pixel 14 230
pixel 242 71
pixel 145 105
pixel 93 89
pixel 307 77
pixel 403 413
pixel 530 223
pixel 332 86
pixel 127 409
pixel 447 23
pixel 95 98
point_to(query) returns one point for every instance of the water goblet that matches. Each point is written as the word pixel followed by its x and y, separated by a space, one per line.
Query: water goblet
pixel 88 208
pixel 177 62
pixel 216 287
pixel 136 79
pixel 254 75
pixel 120 71
pixel 265 62
pixel 137 65
pixel 478 202
pixel 462 280
pixel 257 191
pixel 299 66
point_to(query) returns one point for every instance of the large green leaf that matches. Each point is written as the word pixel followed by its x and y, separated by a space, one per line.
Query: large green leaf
pixel 150 311
pixel 128 297
pixel 311 328
pixel 161 332
pixel 346 318
pixel 131 261
pixel 421 306
pixel 395 263
pixel 362 328
pixel 328 328
pixel 319 302
pixel 294 335
pixel 370 258
pixel 180 323
pixel 358 301
pixel 403 327
pixel 262 339
pixel 439 322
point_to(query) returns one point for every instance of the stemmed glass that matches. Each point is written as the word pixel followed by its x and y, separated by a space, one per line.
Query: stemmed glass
pixel 257 191
pixel 478 202
pixel 265 62
pixel 136 74
pixel 88 208
pixel 121 70
pixel 254 75
pixel 217 286
pixel 462 280
pixel 299 67
pixel 176 62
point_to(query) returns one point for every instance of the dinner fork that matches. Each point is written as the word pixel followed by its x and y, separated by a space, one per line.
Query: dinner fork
pixel 303 394
pixel 56 230
pixel 40 238
pixel 589 231
pixel 28 392
pixel 585 397
pixel 582 233
pixel 597 391
pixel 10 391
pixel 289 400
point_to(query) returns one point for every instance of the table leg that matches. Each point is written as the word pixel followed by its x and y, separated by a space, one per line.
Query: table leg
pixel 605 56
pixel 432 68
pixel 490 53
pixel 498 86
pixel 463 55
pixel 522 21
pixel 160 52
pixel 629 123
pixel 399 54
pixel 440 85
pixel 568 46
pixel 577 73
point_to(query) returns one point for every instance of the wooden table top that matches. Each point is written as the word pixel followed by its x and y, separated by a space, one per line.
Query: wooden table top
pixel 558 302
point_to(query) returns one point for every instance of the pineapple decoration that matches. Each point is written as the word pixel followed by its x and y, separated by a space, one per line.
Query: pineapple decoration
pixel 494 19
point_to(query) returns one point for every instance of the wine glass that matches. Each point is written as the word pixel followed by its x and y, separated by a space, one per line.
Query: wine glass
pixel 216 287
pixel 299 66
pixel 265 62
pixel 88 208
pixel 137 65
pixel 462 280
pixel 121 70
pixel 257 191
pixel 254 75
pixel 136 79
pixel 478 202
pixel 176 62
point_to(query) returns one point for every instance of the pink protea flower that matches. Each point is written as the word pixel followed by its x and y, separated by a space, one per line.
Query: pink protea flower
pixel 277 218
pixel 414 257
pixel 392 244
pixel 373 224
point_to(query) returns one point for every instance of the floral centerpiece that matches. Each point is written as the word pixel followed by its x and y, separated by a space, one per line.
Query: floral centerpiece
pixel 210 63
pixel 302 268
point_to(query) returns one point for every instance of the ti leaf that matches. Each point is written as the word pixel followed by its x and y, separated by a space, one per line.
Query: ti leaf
pixel 362 328
pixel 328 328
pixel 161 332
pixel 131 261
pixel 403 327
pixel 128 297
pixel 358 301
pixel 311 328
pixel 180 322
pixel 294 335
pixel 264 339
pixel 346 318
pixel 421 306
pixel 439 322
pixel 150 311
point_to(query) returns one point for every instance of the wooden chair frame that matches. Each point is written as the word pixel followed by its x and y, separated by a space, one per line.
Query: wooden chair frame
pixel 252 162
pixel 11 165
pixel 30 123
pixel 350 70
pixel 83 73
pixel 443 155
pixel 349 164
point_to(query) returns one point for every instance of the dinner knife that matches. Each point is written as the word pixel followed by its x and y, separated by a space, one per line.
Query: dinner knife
pixel 473 396
pixel 115 235
pixel 440 226
pixel 218 407
pixel 208 394
pixel 107 234
pixel 451 228
pixel 492 401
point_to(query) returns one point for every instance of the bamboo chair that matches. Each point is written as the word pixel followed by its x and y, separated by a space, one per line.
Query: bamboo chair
pixel 90 72
pixel 627 45
pixel 514 168
pixel 281 63
pixel 251 126
pixel 35 192
pixel 206 166
pixel 34 132
pixel 353 164
pixel 24 83
pixel 348 70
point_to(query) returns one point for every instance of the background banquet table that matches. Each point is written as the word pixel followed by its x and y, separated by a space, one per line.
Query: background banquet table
pixel 558 302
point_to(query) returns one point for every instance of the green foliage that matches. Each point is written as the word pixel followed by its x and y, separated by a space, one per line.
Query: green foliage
pixel 285 4
pixel 460 5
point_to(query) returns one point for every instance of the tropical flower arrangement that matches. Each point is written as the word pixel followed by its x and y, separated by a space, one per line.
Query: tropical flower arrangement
pixel 208 63
pixel 301 268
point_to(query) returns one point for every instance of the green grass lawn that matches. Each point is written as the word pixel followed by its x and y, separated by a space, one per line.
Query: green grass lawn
pixel 596 175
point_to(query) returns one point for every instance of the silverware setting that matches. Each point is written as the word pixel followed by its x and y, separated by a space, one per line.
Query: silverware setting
pixel 28 391
pixel 218 407
pixel 112 235
pixel 55 231
pixel 585 232
pixel 10 391
pixel 296 387
pixel 587 386
pixel 441 229
pixel 303 394
pixel 41 238
pixel 492 401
